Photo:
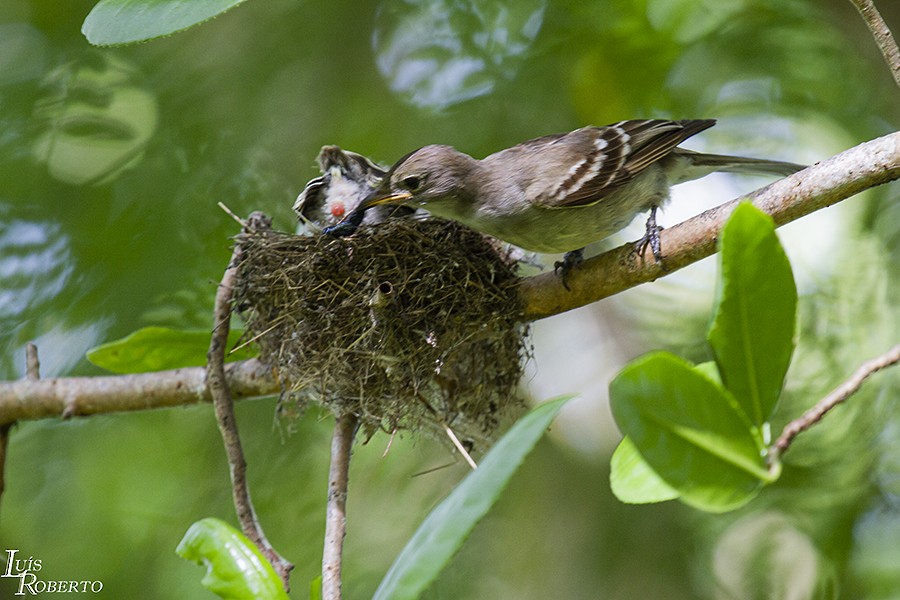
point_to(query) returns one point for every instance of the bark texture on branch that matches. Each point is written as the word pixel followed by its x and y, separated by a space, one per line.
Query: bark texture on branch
pixel 336 512
pixel 82 396
pixel 883 38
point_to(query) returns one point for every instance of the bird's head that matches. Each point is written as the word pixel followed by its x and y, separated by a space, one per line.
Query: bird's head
pixel 430 176
pixel 435 177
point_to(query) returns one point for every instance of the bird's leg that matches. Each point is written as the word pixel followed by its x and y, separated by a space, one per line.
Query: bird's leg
pixel 348 226
pixel 570 260
pixel 651 237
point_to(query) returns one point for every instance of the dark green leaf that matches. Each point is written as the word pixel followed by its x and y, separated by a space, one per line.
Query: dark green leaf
pixel 235 568
pixel 633 481
pixel 160 348
pixel 752 335
pixel 117 22
pixel 448 525
pixel 690 431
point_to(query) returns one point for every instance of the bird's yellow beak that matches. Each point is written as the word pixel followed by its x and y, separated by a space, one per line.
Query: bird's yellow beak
pixel 378 198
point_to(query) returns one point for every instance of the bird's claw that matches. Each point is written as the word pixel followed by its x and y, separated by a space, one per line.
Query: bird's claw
pixel 564 267
pixel 650 239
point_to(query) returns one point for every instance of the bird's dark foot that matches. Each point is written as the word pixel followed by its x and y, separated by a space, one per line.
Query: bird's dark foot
pixel 650 239
pixel 346 227
pixel 564 267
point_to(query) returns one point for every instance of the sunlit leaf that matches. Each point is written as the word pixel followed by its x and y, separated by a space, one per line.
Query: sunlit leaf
pixel 161 348
pixel 235 568
pixel 752 335
pixel 447 526
pixel 633 481
pixel 689 431
pixel 117 22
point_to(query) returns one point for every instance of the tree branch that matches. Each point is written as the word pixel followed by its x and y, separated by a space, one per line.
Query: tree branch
pixel 67 397
pixel 882 35
pixel 839 395
pixel 223 403
pixel 867 165
pixel 816 187
pixel 336 511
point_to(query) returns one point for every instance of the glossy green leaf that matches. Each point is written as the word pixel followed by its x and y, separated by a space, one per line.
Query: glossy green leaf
pixel 235 568
pixel 117 22
pixel 752 335
pixel 690 431
pixel 161 348
pixel 449 524
pixel 633 481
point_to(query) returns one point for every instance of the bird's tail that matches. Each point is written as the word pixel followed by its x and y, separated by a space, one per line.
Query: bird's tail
pixel 739 164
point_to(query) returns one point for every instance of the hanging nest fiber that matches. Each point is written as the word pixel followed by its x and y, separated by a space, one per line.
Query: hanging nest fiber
pixel 410 324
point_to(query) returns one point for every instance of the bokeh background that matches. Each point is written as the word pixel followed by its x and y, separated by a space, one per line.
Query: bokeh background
pixel 111 165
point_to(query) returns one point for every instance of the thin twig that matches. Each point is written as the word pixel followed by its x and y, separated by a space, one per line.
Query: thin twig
pixel 32 363
pixel 227 422
pixel 839 395
pixel 231 214
pixel 462 449
pixel 882 35
pixel 336 511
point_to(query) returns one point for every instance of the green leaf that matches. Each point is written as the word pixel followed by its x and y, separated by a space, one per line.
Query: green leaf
pixel 315 588
pixel 447 526
pixel 752 334
pixel 235 568
pixel 633 481
pixel 690 431
pixel 117 22
pixel 161 348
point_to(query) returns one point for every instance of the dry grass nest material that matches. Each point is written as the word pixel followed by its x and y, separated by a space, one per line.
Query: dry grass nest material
pixel 410 324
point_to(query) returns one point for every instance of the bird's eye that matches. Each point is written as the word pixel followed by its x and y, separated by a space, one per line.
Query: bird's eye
pixel 411 183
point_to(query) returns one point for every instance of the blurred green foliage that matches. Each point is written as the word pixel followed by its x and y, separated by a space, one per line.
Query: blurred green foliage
pixel 111 165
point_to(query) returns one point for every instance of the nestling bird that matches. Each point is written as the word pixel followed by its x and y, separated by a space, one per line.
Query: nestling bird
pixel 558 193
pixel 347 179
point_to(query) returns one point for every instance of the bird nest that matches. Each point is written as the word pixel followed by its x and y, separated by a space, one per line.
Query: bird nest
pixel 412 324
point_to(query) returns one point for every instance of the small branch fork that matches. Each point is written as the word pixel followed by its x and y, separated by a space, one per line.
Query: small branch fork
pixel 838 396
pixel 224 408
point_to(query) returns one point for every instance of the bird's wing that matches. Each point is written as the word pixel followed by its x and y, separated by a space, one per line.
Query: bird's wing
pixel 596 161
pixel 310 200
